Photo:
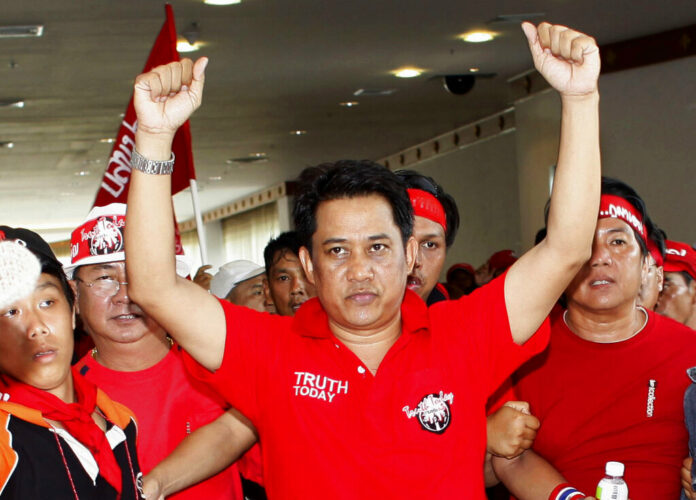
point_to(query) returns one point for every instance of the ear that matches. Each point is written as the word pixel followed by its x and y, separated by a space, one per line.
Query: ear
pixel 660 273
pixel 76 309
pixel 74 319
pixel 268 300
pixel 307 265
pixel 645 270
pixel 411 253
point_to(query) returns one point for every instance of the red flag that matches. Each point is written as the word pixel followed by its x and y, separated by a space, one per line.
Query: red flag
pixel 114 185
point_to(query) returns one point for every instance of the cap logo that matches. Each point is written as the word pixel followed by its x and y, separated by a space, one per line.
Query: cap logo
pixel 674 251
pixel 106 236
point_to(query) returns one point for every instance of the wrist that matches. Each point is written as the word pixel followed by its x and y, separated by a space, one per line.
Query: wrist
pixel 565 492
pixel 591 97
pixel 154 145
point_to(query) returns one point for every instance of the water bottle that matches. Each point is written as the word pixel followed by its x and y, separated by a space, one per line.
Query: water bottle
pixel 612 486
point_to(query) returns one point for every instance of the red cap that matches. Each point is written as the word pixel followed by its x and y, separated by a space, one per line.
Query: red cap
pixel 461 266
pixel 502 259
pixel 680 257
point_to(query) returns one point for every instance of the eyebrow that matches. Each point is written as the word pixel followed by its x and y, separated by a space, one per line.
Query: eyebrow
pixel 434 235
pixel 46 284
pixel 381 236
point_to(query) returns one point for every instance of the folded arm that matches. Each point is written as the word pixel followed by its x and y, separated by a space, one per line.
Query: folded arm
pixel 204 453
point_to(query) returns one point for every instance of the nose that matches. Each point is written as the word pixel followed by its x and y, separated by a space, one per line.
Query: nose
pixel 121 295
pixel 297 286
pixel 601 256
pixel 360 267
pixel 419 259
pixel 37 327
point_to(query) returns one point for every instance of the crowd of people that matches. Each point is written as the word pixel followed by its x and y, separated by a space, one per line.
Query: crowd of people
pixel 342 368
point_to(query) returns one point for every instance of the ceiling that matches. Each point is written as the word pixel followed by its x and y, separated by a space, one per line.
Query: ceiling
pixel 275 66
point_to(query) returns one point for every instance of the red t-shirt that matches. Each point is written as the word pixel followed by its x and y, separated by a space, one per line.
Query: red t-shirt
pixel 168 405
pixel 330 429
pixel 621 401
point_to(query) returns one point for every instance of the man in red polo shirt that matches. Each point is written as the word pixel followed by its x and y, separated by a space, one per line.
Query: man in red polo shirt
pixel 366 393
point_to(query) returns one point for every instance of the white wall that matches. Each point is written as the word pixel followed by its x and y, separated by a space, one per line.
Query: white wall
pixel 483 180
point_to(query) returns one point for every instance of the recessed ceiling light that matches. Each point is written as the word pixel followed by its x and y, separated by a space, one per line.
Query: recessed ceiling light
pixel 184 46
pixel 7 144
pixel 477 36
pixel 221 2
pixel 33 30
pixel 407 72
pixel 298 132
pixel 215 178
pixel 349 104
pixel 11 103
pixel 82 173
pixel 107 140
pixel 473 70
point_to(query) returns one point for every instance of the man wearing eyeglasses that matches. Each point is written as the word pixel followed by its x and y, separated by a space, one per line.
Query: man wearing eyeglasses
pixel 136 363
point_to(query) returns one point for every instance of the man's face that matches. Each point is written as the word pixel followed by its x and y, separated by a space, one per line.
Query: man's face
pixel 249 293
pixel 430 258
pixel 358 263
pixel 613 275
pixel 677 298
pixel 113 318
pixel 652 285
pixel 287 286
pixel 36 338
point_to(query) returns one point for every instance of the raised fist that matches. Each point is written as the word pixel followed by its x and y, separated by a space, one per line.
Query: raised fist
pixel 567 59
pixel 165 97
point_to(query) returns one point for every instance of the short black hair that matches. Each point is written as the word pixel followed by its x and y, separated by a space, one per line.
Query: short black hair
pixel 349 179
pixel 415 180
pixel 287 241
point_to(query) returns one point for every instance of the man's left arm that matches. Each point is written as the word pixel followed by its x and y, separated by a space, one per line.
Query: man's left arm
pixel 569 61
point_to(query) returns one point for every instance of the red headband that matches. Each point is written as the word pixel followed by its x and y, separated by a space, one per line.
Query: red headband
pixel 426 205
pixel 618 208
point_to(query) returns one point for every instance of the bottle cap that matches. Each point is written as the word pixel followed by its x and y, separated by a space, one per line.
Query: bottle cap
pixel 615 469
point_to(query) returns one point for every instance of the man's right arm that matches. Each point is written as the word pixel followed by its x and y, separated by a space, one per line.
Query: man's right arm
pixel 529 476
pixel 204 453
pixel 164 99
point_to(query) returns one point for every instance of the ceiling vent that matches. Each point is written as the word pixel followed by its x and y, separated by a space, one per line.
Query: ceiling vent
pixel 516 18
pixel 373 92
pixel 254 158
pixel 33 30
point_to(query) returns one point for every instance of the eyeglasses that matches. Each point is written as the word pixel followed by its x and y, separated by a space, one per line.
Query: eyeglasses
pixel 105 287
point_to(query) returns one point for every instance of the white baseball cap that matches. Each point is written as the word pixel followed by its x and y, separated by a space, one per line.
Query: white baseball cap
pixel 232 274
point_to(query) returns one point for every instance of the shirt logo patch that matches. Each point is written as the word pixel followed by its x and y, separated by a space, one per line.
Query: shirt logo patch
pixel 318 386
pixel 652 387
pixel 433 412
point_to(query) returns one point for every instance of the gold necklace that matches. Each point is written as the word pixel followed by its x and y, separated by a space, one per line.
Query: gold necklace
pixel 95 351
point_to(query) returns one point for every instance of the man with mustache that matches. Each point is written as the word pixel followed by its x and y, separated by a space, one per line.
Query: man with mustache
pixel 134 361
pixel 366 392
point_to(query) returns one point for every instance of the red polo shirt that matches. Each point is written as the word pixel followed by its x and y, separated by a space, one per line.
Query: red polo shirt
pixel 330 429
